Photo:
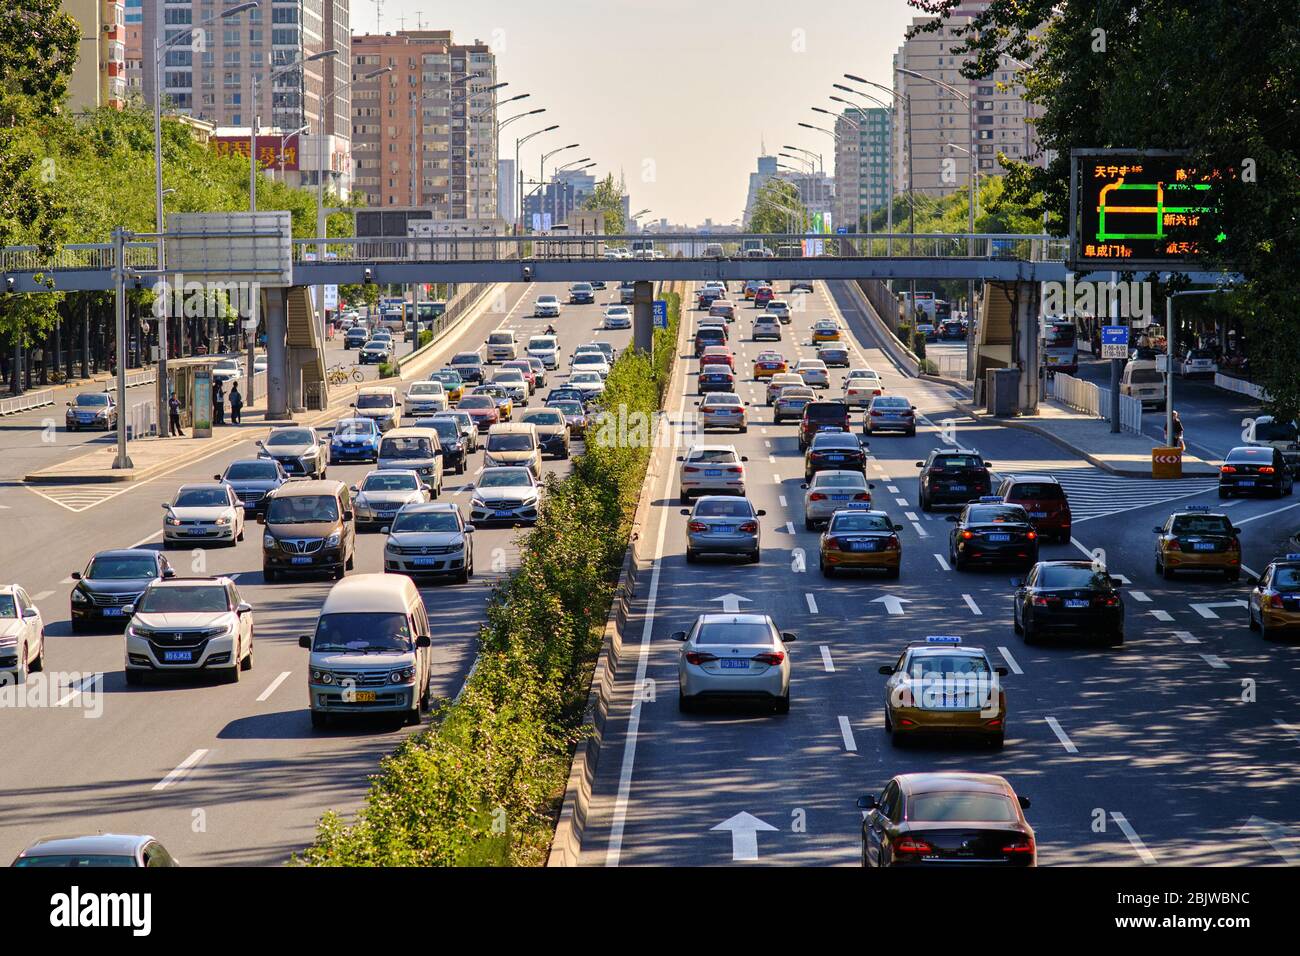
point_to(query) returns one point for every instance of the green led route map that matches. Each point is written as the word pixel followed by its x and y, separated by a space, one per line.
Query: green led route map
pixel 1138 208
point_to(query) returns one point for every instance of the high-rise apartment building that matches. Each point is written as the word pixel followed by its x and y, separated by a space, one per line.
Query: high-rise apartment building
pixel 765 170
pixel 862 162
pixel 133 41
pixel 506 189
pixel 424 134
pixel 99 78
pixel 939 127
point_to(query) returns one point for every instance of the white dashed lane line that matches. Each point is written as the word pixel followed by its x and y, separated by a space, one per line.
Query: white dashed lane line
pixel 970 603
pixel 1011 661
pixel 846 732
pixel 180 770
pixel 1186 637
pixel 827 663
pixel 1161 615
pixel 1134 840
pixel 942 563
pixel 1215 661
pixel 1061 735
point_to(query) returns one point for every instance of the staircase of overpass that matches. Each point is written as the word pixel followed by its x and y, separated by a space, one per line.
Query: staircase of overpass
pixel 306 346
pixel 994 343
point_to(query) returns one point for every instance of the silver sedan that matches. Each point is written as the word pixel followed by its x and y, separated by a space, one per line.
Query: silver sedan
pixel 832 491
pixel 734 657
pixel 721 524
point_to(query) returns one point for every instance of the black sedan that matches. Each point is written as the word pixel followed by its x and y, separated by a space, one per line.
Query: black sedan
pixel 112 581
pixel 1255 470
pixel 1069 597
pixel 992 532
pixel 834 451
pixel 252 479
pixel 947 819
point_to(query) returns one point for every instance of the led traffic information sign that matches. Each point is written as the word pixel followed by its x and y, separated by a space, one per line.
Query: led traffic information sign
pixel 1137 209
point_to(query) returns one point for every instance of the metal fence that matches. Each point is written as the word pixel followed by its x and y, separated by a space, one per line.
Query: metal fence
pixel 1091 400
pixel 26 401
pixel 142 421
pixel 949 364
pixel 1240 386
pixel 144 376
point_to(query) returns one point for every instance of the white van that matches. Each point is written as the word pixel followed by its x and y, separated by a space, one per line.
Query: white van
pixel 414 449
pixel 546 348
pixel 379 404
pixel 1144 382
pixel 514 443
pixel 501 346
pixel 370 653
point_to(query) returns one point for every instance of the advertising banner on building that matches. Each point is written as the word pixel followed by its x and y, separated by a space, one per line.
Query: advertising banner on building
pixel 273 152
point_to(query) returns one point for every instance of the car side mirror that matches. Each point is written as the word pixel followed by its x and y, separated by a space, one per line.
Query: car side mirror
pixel 243 608
pixel 867 802
pixel 168 573
pixel 697 404
pixel 1236 531
pixel 31 612
pixel 166 506
pixel 261 519
pixel 1157 530
pixel 129 610
pixel 898 527
pixel 1024 802
pixel 761 513
pixel 76 575
pixel 259 444
pixel 681 458
pixel 744 458
pixel 886 668
pixel 1002 671
pixel 871 487
pixel 469 529
pixel 216 477
pixel 1017 582
pixel 305 641
pixel 423 641
pixel 920 464
pixel 347 516
pixel 686 511
pixel 788 637
pixel 678 635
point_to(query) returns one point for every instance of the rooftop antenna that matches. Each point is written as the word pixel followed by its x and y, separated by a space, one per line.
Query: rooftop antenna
pixel 379 16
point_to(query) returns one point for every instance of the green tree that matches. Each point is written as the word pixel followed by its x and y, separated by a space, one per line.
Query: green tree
pixel 777 207
pixel 1214 78
pixel 608 198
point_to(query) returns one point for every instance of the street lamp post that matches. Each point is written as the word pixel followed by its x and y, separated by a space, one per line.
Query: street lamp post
pixel 889 213
pixel 519 142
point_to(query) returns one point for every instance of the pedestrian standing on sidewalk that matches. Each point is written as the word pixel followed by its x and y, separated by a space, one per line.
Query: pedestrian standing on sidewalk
pixel 236 404
pixel 1176 439
pixel 218 403
pixel 174 418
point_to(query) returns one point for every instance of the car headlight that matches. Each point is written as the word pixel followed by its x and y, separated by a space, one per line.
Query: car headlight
pixel 79 597
pixel 139 631
pixel 223 520
pixel 172 521
pixel 322 677
pixel 403 675
pixel 476 502
pixel 333 540
pixel 268 541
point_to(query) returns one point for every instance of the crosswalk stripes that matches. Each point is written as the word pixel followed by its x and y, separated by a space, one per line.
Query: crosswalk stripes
pixel 1095 494
pixel 77 498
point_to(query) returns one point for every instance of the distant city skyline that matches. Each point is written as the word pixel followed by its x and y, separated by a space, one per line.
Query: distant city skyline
pixel 701 72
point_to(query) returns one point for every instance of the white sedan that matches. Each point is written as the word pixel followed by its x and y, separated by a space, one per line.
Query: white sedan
pixel 547 307
pixel 814 372
pixel 203 513
pixel 426 398
pixel 618 317
pixel 861 386
pixel 711 469
pixel 22 634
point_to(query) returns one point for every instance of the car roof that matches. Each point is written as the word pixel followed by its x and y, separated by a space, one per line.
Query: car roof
pixel 826 472
pixel 733 618
pixel 423 507
pixel 220 579
pixel 1037 479
pixel 836 438
pixel 369 592
pixel 933 782
pixel 956 451
pixel 389 471
pixel 408 431
pixel 125 553
pixel 97 843
pixel 312 486
pixel 200 485
pixel 377 390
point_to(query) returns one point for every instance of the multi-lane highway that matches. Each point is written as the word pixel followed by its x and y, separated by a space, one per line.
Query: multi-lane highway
pixel 221 774
pixel 1178 748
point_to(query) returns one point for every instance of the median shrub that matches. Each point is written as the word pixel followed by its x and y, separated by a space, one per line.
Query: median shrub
pixel 483 785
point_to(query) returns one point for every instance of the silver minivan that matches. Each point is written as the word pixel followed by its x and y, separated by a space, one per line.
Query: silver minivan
pixel 414 449
pixel 370 653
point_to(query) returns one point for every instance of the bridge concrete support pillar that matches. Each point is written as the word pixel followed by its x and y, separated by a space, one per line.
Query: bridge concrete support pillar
pixel 277 355
pixel 1026 346
pixel 643 315
pixel 296 359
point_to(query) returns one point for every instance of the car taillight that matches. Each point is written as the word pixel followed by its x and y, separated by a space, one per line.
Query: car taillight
pixel 816 496
pixel 1173 544
pixel 1019 847
pixel 1031 535
pixel 876 414
pixel 1227 470
pixel 690 469
pixel 1275 600
pixel 967 535
pixel 1045 600
pixel 892 543
pixel 770 657
pixel 1266 469
pixel 697 526
pixel 1234 545
pixel 700 657
pixel 910 844
pixel 749 527
pixel 833 544
pixel 1107 601
pixel 734 470
pixel 907 414
pixel 862 496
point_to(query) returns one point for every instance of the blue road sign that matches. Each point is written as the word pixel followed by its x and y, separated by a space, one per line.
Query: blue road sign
pixel 842 231
pixel 661 314
pixel 1114 335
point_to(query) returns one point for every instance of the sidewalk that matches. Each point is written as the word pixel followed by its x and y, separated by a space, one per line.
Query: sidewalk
pixel 1091 439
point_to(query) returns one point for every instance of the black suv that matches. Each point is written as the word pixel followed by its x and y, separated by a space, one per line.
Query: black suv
pixel 822 417
pixel 1255 469
pixel 953 476
pixel 834 451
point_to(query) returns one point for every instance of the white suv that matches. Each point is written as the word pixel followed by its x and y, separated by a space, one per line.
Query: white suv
pixel 189 624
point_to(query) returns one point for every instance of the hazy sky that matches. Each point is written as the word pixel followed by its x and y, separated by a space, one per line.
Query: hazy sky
pixel 678 94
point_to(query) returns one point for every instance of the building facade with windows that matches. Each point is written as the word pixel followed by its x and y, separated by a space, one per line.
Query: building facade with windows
pixel 99 78
pixel 862 162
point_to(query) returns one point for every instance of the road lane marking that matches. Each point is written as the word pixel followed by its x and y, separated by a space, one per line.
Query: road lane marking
pixel 82 685
pixel 893 489
pixel 1134 840
pixel 1011 661
pixel 1161 615
pixel 69 580
pixel 1266 514
pixel 919 530
pixel 789 527
pixel 904 503
pixel 41 595
pixel 970 603
pixel 776 479
pixel 156 534
pixel 846 732
pixel 942 563
pixel 1140 596
pixel 1061 735
pixel 1207 610
pixel 812 604
pixel 910 515
pixel 180 770
pixel 274 684
pixel 771 459
pixel 781 498
pixel 826 659
pixel 1215 661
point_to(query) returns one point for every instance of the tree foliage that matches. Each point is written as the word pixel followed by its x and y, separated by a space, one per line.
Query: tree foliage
pixel 777 207
pixel 608 198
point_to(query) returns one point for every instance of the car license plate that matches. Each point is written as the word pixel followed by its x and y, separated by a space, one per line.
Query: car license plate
pixel 862 545
pixel 866 505
pixel 1038 514
pixel 1246 482
pixel 732 664
pixel 999 537
pixel 178 657
pixel 1203 546
pixel 829 428
pixel 839 497
pixel 301 559
pixel 834 457
pixel 712 472
pixel 384 514
pixel 1076 602
pixel 113 612
pixel 363 696
pixel 957 488
pixel 506 513
pixel 422 561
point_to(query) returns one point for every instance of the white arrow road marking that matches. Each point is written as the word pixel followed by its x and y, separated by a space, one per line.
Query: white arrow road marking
pixel 942 563
pixel 1011 661
pixel 744 829
pixel 1061 735
pixel 82 685
pixel 1161 615
pixel 1207 610
pixel 180 770
pixel 731 603
pixel 893 604
pixel 970 603
pixel 1214 661
pixel 274 684
pixel 1278 836
pixel 846 731
pixel 812 603
pixel 1126 828
pixel 826 659
pixel 1141 596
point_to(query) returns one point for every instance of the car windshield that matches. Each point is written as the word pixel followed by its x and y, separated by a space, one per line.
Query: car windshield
pixel 403 448
pixel 834 441
pixel 891 402
pixel 302 509
pixel 8 607
pixel 466 359
pixel 1202 524
pixel 96 860
pixel 585 378
pixel 477 401
pixel 374 401
pixel 447 377
pixel 995 514
pixel 252 471
pixel 724 508
pixel 291 436
pixel 510 376
pixel 541 342
pixel 362 632
pixel 566 407
pixel 201 498
pixel 427 388
pixel 121 568
pixel 950 664
pixel 727 398
pixel 857 523
pixel 92 401
pixel 205 599
pixel 829 479
pixel 354 429
pixel 716 456
pixel 548 299
pixel 510 442
pixel 589 358
pixel 448 430
pixel 425 522
pixel 500 338
pixel 734 633
pixel 406 481
pixel 1037 491
pixel 504 477
pixel 540 417
pixel 827 411
pixel 1071 576
pixel 952 807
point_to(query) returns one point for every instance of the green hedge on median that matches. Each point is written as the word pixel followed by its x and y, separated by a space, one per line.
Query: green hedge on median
pixel 484 784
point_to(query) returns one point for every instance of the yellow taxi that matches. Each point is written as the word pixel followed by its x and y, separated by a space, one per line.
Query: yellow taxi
pixel 752 287
pixel 860 540
pixel 452 382
pixel 769 363
pixel 825 330
pixel 1274 602
pixel 1196 539
pixel 943 687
